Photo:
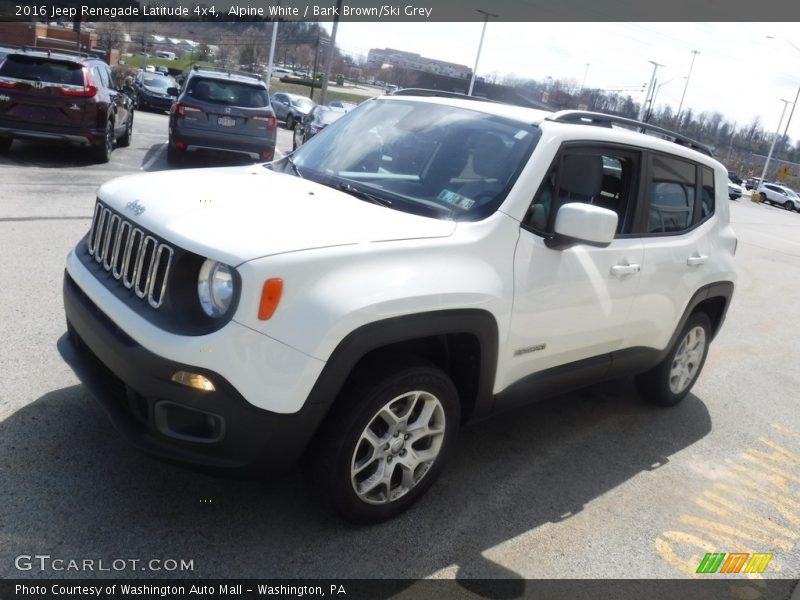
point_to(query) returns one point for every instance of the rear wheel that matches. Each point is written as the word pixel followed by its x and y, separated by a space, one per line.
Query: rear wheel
pixel 670 381
pixel 389 441
pixel 125 140
pixel 102 151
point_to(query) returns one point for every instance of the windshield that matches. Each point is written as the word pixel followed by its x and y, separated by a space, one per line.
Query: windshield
pixel 302 103
pixel 421 157
pixel 161 83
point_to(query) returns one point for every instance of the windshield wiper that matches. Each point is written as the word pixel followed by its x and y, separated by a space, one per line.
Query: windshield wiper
pixel 362 195
pixel 295 170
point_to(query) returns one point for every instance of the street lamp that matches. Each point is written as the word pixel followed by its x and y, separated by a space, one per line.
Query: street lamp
pixel 585 73
pixel 650 87
pixel 655 95
pixel 772 147
pixel 791 112
pixel 685 87
pixel 486 16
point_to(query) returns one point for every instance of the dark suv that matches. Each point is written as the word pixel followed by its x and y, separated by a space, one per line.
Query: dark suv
pixel 63 96
pixel 225 111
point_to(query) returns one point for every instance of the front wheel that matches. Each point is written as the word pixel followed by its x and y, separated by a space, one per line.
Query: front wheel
pixel 387 444
pixel 125 140
pixel 670 381
pixel 289 122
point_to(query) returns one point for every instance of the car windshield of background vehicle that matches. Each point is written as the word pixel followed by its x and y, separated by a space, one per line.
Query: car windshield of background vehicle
pixel 161 83
pixel 421 157
pixel 228 92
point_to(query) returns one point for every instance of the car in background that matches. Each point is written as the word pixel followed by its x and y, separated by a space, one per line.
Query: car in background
pixel 734 190
pixel 752 183
pixel 222 111
pixel 314 122
pixel 780 195
pixel 63 96
pixel 734 178
pixel 345 106
pixel 291 108
pixel 155 91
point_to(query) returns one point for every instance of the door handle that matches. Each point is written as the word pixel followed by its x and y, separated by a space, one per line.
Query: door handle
pixel 696 260
pixel 623 270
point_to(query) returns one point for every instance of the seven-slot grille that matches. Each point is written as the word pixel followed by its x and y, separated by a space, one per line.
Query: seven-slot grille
pixel 130 254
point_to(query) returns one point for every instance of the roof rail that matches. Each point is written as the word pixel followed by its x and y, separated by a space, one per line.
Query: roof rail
pixel 437 93
pixel 50 50
pixel 585 117
pixel 227 71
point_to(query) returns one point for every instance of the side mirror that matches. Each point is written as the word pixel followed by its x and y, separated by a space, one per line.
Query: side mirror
pixel 579 223
pixel 173 91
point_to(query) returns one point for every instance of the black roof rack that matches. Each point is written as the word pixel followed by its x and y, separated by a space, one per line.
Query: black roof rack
pixel 437 93
pixel 584 117
pixel 227 71
pixel 49 50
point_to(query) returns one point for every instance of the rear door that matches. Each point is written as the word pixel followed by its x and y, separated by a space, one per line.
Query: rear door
pixel 41 91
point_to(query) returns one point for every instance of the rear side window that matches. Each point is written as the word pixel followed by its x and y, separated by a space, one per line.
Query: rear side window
pixel 231 93
pixel 707 207
pixel 672 195
pixel 42 69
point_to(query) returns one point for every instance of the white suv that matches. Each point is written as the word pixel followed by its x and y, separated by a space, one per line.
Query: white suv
pixel 421 262
pixel 781 195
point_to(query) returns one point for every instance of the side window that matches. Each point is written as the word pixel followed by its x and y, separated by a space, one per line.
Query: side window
pixel 707 207
pixel 672 195
pixel 99 75
pixel 602 177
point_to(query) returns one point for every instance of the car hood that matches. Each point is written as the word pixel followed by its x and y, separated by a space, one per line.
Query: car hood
pixel 237 214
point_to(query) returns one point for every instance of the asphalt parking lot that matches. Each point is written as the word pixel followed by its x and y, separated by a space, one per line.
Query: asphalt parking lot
pixel 592 484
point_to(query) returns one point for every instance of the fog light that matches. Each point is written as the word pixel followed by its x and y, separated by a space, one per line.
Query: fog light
pixel 194 380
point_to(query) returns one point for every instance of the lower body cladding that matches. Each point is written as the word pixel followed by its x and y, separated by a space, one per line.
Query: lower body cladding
pixel 187 140
pixel 217 429
pixel 50 133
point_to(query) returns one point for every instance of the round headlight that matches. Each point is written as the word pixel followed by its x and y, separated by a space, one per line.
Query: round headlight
pixel 215 288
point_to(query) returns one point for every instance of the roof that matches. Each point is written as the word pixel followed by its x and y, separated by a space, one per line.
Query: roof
pixel 227 75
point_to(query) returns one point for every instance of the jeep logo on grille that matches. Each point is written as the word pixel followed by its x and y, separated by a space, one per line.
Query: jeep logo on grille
pixel 135 207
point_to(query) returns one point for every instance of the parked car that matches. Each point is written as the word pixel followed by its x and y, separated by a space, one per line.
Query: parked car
pixel 752 183
pixel 734 190
pixel 356 302
pixel 291 107
pixel 314 122
pixel 780 195
pixel 222 111
pixel 63 96
pixel 734 178
pixel 155 91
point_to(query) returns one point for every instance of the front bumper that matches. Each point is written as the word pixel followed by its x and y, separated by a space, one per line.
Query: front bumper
pixel 218 429
pixel 155 102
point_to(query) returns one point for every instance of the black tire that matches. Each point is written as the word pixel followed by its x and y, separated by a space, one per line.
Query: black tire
pixel 289 122
pixel 5 144
pixel 661 385
pixel 102 151
pixel 125 140
pixel 340 442
pixel 789 205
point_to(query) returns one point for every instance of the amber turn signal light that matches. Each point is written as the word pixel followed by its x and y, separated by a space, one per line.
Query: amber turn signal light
pixel 270 296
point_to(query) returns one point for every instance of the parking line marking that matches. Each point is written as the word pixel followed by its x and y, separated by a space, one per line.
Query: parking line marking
pixel 153 158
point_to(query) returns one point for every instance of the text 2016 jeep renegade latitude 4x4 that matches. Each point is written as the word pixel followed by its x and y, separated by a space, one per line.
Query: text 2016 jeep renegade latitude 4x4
pixel 421 262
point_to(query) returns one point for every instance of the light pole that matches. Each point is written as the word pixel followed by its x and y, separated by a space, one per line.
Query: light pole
pixel 486 16
pixel 585 73
pixel 643 110
pixel 772 147
pixel 797 95
pixel 685 87
pixel 655 95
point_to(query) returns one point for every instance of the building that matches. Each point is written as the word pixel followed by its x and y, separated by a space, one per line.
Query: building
pixel 409 60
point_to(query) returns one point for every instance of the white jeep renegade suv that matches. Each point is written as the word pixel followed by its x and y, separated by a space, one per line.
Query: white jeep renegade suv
pixel 421 262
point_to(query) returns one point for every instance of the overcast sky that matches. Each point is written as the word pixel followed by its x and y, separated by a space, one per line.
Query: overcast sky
pixel 738 71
